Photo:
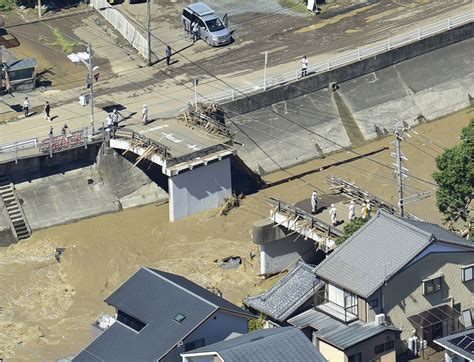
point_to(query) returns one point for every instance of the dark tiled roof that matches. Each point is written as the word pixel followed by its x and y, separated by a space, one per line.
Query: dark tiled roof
pixel 288 294
pixel 266 345
pixel 378 250
pixel 336 333
pixel 154 298
pixel 439 233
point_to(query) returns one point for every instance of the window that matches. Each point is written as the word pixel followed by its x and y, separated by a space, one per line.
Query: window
pixel 214 25
pixel 198 343
pixel 374 303
pixel 379 348
pixel 179 317
pixel 356 357
pixel 187 15
pixel 467 273
pixel 389 345
pixel 130 321
pixel 431 286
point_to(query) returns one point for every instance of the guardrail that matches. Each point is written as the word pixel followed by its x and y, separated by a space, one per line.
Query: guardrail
pixel 49 145
pixel 131 135
pixel 342 59
pixel 122 25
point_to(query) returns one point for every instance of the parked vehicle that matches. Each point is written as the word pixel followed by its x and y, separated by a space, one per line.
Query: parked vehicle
pixel 211 29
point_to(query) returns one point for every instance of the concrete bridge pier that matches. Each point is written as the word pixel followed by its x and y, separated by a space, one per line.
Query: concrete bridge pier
pixel 199 188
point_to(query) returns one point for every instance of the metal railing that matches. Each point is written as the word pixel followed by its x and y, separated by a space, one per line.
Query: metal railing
pixel 49 145
pixel 122 25
pixel 131 135
pixel 342 59
pixel 313 222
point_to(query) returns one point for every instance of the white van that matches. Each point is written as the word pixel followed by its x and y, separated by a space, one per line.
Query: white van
pixel 211 29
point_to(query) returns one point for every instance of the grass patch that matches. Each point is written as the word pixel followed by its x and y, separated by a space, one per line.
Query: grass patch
pixel 298 6
pixel 7 5
pixel 66 45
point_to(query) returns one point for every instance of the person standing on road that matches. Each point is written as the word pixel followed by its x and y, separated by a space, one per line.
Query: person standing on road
pixel 352 210
pixel 26 106
pixel 304 66
pixel 195 29
pixel 168 54
pixel 46 111
pixel 145 115
pixel 115 118
pixel 364 212
pixel 332 213
pixel 314 202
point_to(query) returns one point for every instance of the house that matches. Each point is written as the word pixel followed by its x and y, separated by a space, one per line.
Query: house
pixel 411 274
pixel 459 346
pixel 160 315
pixel 273 344
pixel 354 342
pixel 292 294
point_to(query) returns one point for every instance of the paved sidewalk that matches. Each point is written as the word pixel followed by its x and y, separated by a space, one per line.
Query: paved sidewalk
pixel 166 90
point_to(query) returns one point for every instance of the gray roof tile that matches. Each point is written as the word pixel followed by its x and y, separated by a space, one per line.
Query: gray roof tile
pixel 378 250
pixel 266 345
pixel 288 294
pixel 336 333
pixel 155 298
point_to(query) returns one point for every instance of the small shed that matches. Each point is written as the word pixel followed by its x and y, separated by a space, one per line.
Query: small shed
pixel 21 74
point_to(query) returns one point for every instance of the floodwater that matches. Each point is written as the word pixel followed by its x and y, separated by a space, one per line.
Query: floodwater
pixel 46 307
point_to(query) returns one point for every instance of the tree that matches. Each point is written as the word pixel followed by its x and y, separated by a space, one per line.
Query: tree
pixel 350 228
pixel 455 178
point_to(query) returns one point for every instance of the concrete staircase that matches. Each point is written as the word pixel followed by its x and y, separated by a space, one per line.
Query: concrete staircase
pixel 18 221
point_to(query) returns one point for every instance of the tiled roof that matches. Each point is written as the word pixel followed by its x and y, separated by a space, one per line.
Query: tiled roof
pixel 266 345
pixel 288 294
pixel 154 298
pixel 336 333
pixel 378 250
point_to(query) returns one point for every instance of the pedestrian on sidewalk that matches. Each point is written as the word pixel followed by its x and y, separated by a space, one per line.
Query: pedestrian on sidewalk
pixel 64 130
pixel 332 213
pixel 168 54
pixel 115 118
pixel 314 202
pixel 304 66
pixel 46 111
pixel 145 115
pixel 110 126
pixel 26 107
pixel 195 29
pixel 352 210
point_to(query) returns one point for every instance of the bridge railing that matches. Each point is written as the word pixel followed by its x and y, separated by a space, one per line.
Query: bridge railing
pixel 49 145
pixel 131 135
pixel 342 59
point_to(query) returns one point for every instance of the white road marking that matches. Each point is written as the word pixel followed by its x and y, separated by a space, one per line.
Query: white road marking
pixel 169 136
pixel 194 147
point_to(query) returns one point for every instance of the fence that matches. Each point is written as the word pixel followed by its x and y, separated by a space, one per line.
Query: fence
pixel 122 25
pixel 50 145
pixel 342 59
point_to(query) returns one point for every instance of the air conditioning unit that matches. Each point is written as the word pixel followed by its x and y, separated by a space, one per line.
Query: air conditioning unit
pixel 380 319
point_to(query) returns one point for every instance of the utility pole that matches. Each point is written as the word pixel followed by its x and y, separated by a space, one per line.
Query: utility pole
pixel 91 89
pixel 398 140
pixel 39 9
pixel 148 30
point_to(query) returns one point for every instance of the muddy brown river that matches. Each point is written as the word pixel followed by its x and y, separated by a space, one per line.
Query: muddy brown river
pixel 46 307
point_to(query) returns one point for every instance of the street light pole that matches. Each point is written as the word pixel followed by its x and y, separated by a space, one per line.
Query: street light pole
pixel 148 29
pixel 91 89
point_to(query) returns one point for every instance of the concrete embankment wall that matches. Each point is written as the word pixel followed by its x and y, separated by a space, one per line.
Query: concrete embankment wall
pixel 77 184
pixel 319 81
pixel 298 129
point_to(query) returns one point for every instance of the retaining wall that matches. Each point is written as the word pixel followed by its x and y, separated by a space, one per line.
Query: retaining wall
pixel 315 82
pixel 76 184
